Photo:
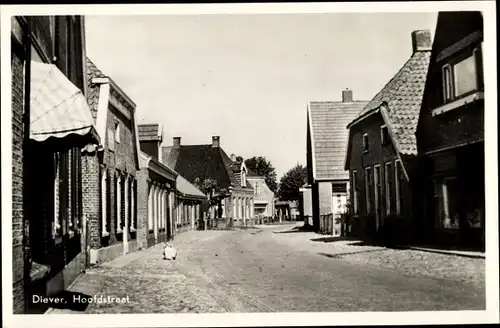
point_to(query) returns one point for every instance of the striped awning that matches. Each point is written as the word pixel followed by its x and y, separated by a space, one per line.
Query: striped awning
pixel 57 107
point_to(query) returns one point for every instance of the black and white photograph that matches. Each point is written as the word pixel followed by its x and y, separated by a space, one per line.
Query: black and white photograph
pixel 249 164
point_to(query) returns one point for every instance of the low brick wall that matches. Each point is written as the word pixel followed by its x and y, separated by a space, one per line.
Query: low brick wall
pixel 106 254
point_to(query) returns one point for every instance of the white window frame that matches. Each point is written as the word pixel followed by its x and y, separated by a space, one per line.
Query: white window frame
pixel 117 132
pixel 397 187
pixel 455 82
pixel 118 204
pixel 387 174
pixel 367 190
pixel 355 195
pixel 383 139
pixel 243 178
pixel 365 142
pixel 447 87
pixel 104 228
pixel 376 180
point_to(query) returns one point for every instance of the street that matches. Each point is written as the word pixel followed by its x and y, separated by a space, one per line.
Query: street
pixel 258 270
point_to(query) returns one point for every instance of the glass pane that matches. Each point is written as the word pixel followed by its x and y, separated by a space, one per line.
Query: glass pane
pixel 465 76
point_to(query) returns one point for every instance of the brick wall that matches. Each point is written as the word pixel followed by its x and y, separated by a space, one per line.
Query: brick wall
pixel 17 181
pixel 91 197
pixel 142 207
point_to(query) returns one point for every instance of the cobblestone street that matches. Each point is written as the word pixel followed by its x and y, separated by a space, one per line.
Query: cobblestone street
pixel 257 270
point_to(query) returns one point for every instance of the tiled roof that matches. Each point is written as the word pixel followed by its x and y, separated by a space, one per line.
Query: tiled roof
pixel 330 136
pixel 149 132
pixel 187 188
pixel 198 161
pixel 403 96
pixel 93 89
pixel 202 162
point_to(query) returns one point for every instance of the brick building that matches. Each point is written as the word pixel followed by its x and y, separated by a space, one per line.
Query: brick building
pixel 382 149
pixel 156 188
pixel 191 206
pixel 263 198
pixel 326 148
pixel 450 134
pixel 200 162
pixel 109 170
pixel 48 90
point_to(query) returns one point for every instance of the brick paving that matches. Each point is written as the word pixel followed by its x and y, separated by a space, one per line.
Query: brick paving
pixel 256 270
pixel 408 261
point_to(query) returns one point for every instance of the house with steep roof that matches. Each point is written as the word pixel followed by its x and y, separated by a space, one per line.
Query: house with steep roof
pixel 196 163
pixel 382 149
pixel 263 197
pixel 450 134
pixel 110 169
pixel 327 138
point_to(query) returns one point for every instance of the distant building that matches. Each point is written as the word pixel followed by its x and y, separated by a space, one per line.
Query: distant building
pixel 327 139
pixel 263 197
pixel 197 163
pixel 450 134
pixel 382 149
pixel 156 189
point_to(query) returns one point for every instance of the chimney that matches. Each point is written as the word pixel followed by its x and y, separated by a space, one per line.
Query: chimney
pixel 347 95
pixel 215 141
pixel 421 40
pixel 233 157
pixel 177 142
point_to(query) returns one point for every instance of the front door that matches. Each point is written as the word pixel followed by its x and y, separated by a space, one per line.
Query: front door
pixel 378 192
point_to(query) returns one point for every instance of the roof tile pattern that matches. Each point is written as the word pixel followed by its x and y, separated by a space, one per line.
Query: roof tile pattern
pixel 330 136
pixel 93 89
pixel 403 97
pixel 202 162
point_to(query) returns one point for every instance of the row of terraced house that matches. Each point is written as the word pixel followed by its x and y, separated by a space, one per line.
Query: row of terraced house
pixel 406 166
pixel 88 182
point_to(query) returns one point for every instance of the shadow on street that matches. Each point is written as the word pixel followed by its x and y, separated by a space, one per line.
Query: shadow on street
pixel 340 255
pixel 297 229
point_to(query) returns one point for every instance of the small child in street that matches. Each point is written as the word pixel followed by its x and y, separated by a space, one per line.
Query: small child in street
pixel 169 252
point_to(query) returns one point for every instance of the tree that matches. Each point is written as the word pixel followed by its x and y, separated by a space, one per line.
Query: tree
pixel 215 195
pixel 263 167
pixel 291 182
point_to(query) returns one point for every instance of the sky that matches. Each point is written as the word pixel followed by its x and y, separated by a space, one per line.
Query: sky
pixel 248 78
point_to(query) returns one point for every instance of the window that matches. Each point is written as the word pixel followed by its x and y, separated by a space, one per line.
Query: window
pixel 462 77
pixel 446 197
pixel 355 192
pixel 365 142
pixel 388 185
pixel 117 132
pixel 243 178
pixel 368 187
pixel 104 222
pixel 111 140
pixel 384 135
pixel 397 184
pixel 257 188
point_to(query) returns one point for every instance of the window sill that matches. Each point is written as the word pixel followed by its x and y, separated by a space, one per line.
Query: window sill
pixel 119 231
pixel 478 95
pixel 104 234
pixel 364 151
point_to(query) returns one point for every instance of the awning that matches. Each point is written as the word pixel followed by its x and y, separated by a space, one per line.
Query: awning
pixel 57 107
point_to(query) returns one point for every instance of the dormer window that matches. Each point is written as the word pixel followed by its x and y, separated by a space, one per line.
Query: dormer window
pixel 463 76
pixel 365 142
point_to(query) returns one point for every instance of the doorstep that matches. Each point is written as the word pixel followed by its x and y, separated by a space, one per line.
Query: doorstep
pixel 472 254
